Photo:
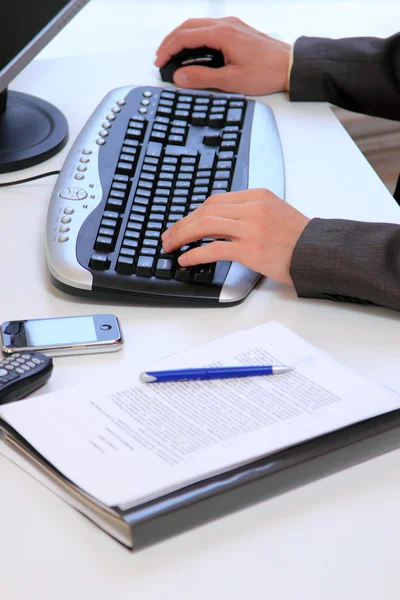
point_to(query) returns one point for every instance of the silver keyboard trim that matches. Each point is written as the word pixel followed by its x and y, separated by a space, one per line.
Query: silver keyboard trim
pixel 61 256
pixel 266 170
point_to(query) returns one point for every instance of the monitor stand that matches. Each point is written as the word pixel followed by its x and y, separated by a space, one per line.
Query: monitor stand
pixel 31 131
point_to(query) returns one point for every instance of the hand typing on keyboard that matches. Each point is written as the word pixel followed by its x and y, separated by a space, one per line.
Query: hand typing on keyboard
pixel 262 231
pixel 255 63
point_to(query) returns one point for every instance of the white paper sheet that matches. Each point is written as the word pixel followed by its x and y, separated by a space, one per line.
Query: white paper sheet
pixel 125 442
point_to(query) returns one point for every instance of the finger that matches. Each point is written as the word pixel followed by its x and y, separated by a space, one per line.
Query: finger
pixel 190 38
pixel 216 227
pixel 233 212
pixel 209 253
pixel 224 211
pixel 234 197
pixel 189 24
pixel 223 78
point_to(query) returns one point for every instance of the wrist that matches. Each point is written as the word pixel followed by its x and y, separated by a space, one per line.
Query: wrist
pixel 289 67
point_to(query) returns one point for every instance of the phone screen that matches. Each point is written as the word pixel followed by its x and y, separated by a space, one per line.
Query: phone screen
pixel 48 332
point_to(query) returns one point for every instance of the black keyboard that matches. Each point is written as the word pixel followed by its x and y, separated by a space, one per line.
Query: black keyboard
pixel 147 157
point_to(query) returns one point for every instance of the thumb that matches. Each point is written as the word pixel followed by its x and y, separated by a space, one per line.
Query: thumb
pixel 203 77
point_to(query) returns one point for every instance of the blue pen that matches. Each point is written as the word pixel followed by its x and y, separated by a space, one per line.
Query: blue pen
pixel 211 373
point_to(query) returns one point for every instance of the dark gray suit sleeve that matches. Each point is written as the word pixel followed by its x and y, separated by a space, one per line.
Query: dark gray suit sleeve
pixel 359 74
pixel 349 261
pixel 337 259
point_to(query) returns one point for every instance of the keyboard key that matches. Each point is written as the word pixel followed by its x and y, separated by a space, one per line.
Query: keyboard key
pixel 170 160
pixel 212 139
pixel 164 268
pixel 183 274
pixel 134 134
pixel 99 262
pixel 132 235
pixel 182 106
pixel 207 160
pixel 107 231
pixel 109 214
pixel 225 164
pixel 133 244
pixel 108 223
pixel 163 120
pixel 204 273
pixel 169 168
pixel 216 121
pixel 152 234
pixel 151 160
pixel 154 149
pixel 158 136
pixel 165 176
pixel 168 95
pixel 116 185
pixel 128 252
pixel 164 111
pixel 123 178
pixel 125 265
pixel 219 102
pixel 236 104
pixel 230 145
pixel 185 98
pixel 176 139
pixel 124 167
pixel 219 174
pixel 226 155
pixel 160 127
pixel 203 181
pixel 189 160
pixel 234 116
pixel 154 225
pixel 145 265
pixel 220 185
pixel 138 208
pixel 165 102
pixel 150 243
pixel 202 101
pixel 115 204
pixel 103 243
pixel 199 119
pixel 155 217
pixel 116 194
pixel 186 169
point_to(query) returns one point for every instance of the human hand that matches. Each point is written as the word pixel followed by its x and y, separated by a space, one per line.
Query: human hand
pixel 262 229
pixel 255 63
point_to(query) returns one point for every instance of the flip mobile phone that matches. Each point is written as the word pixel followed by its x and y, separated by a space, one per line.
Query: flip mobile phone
pixel 62 336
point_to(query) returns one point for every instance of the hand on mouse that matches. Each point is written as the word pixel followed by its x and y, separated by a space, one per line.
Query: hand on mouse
pixel 254 62
pixel 262 228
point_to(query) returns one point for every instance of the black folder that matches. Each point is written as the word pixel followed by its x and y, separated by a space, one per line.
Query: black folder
pixel 254 482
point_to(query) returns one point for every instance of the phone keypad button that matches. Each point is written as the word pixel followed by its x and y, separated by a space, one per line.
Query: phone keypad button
pixel 30 364
pixel 36 361
pixel 20 371
pixel 25 368
pixel 26 356
pixel 3 372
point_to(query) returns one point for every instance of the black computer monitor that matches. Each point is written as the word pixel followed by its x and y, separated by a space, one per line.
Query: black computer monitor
pixel 31 129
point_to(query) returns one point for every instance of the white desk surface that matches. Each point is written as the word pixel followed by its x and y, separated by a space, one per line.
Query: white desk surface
pixel 333 538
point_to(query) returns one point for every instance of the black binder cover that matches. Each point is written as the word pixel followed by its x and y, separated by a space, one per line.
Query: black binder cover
pixel 262 479
pixel 239 488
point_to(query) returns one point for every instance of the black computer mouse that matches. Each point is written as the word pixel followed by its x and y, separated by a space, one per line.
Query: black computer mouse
pixel 203 57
